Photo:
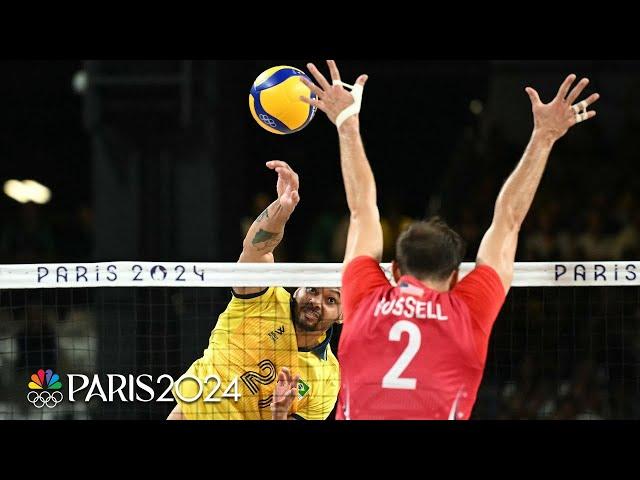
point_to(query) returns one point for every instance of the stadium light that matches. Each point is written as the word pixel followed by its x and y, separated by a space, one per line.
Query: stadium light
pixel 476 107
pixel 80 81
pixel 27 191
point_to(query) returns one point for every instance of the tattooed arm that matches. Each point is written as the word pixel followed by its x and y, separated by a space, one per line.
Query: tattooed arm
pixel 267 230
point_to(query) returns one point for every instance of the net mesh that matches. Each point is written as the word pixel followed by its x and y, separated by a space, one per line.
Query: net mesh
pixel 127 331
pixel 564 353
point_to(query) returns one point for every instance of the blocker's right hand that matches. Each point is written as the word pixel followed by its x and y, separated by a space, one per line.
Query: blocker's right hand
pixel 332 99
pixel 287 186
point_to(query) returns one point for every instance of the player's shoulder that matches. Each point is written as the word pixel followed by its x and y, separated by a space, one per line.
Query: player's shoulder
pixel 265 295
pixel 482 271
pixel 359 264
pixel 362 260
pixel 480 281
pixel 281 294
pixel 271 299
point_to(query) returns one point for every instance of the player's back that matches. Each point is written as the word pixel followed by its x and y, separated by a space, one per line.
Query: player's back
pixel 409 352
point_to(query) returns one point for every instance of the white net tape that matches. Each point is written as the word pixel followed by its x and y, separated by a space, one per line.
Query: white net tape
pixel 173 274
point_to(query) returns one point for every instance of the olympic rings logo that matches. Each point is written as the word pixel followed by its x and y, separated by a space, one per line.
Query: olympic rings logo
pixel 268 120
pixel 40 399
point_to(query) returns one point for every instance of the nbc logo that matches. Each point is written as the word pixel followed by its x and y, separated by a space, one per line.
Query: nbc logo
pixel 39 387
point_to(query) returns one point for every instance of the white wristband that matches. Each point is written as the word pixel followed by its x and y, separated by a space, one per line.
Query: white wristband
pixel 354 108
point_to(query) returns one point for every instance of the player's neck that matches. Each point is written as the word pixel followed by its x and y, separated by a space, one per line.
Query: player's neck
pixel 308 339
pixel 440 287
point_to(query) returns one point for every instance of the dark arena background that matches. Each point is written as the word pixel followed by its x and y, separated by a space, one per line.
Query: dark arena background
pixel 162 162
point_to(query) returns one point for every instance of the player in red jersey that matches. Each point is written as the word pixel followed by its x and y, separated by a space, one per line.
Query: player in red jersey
pixel 418 350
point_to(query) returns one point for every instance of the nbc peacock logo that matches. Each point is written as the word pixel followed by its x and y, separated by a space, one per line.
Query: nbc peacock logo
pixel 40 385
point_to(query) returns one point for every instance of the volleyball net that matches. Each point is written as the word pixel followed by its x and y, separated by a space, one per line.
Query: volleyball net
pixel 566 344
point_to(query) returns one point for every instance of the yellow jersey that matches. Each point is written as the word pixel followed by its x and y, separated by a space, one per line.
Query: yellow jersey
pixel 319 381
pixel 236 376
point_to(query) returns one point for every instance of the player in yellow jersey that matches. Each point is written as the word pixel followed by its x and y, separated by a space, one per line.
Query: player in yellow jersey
pixel 262 331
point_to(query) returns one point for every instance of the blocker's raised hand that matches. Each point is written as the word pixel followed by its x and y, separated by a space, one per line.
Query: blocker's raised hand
pixel 333 99
pixel 558 116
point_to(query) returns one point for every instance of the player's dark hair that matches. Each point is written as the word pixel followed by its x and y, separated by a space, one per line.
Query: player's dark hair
pixel 429 250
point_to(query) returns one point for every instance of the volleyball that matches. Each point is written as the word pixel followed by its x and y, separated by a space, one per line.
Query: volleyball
pixel 274 100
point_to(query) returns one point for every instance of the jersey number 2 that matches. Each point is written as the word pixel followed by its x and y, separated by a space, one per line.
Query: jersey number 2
pixel 392 378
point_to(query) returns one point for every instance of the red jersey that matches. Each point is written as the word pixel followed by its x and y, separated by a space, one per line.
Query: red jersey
pixel 409 352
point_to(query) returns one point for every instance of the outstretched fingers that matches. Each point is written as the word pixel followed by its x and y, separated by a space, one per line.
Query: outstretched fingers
pixel 322 81
pixel 564 88
pixel 533 96
pixel 333 69
pixel 274 164
pixel 577 90
pixel 312 86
